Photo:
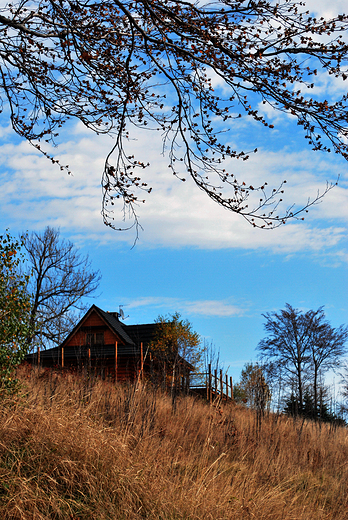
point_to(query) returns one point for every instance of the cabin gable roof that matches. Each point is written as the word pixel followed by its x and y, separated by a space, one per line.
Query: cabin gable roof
pixel 110 320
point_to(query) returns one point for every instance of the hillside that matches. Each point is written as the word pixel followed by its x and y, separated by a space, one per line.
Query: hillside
pixel 76 449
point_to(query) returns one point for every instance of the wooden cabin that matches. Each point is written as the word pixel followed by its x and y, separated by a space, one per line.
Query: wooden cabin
pixel 109 348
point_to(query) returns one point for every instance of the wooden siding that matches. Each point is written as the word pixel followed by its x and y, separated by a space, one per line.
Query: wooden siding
pixel 93 324
pixel 77 339
pixel 94 320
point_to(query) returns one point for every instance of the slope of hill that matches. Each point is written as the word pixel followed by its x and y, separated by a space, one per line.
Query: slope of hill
pixel 72 448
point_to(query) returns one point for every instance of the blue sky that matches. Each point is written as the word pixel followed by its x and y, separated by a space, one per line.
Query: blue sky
pixel 194 257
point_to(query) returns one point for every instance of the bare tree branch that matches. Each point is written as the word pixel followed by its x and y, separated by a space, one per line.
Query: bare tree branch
pixel 120 65
pixel 61 278
pixel 304 345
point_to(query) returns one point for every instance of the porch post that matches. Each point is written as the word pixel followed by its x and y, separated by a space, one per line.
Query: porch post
pixel 141 360
pixel 116 361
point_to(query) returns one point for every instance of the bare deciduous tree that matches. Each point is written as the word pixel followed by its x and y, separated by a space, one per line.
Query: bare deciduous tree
pixel 122 65
pixel 304 345
pixel 327 348
pixel 60 279
pixel 254 387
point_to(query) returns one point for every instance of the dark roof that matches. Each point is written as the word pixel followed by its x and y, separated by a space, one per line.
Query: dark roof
pixel 141 333
pixel 110 318
pixel 145 334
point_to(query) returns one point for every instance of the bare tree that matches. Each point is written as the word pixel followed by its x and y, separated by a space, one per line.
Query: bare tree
pixel 344 391
pixel 60 279
pixel 303 345
pixel 327 348
pixel 253 387
pixel 122 65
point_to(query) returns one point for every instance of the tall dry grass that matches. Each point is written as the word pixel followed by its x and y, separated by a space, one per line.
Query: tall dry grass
pixel 74 448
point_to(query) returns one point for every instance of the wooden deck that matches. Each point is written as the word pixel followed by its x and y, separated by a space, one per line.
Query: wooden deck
pixel 217 386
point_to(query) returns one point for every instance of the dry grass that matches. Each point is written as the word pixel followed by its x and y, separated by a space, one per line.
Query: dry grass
pixel 70 449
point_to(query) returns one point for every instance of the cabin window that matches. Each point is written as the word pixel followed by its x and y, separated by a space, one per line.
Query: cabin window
pixel 99 338
pixel 95 339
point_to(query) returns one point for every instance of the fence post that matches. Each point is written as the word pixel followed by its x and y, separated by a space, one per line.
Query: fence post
pixel 226 378
pixel 62 357
pixel 207 381
pixel 215 382
pixel 210 387
pixel 221 385
pixel 231 388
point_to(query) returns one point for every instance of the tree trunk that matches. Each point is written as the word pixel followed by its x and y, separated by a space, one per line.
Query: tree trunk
pixel 315 389
pixel 300 389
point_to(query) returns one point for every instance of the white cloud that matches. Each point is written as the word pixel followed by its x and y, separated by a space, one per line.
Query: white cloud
pixel 213 308
pixel 35 193
pixel 326 8
pixel 218 308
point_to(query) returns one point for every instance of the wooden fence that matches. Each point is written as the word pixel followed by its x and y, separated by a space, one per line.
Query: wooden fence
pixel 217 386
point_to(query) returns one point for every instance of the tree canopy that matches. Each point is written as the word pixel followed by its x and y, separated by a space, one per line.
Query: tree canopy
pixel 61 279
pixel 176 352
pixel 14 310
pixel 253 387
pixel 123 65
pixel 175 341
pixel 303 346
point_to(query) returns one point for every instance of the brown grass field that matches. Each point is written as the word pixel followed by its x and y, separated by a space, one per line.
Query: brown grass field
pixel 71 448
